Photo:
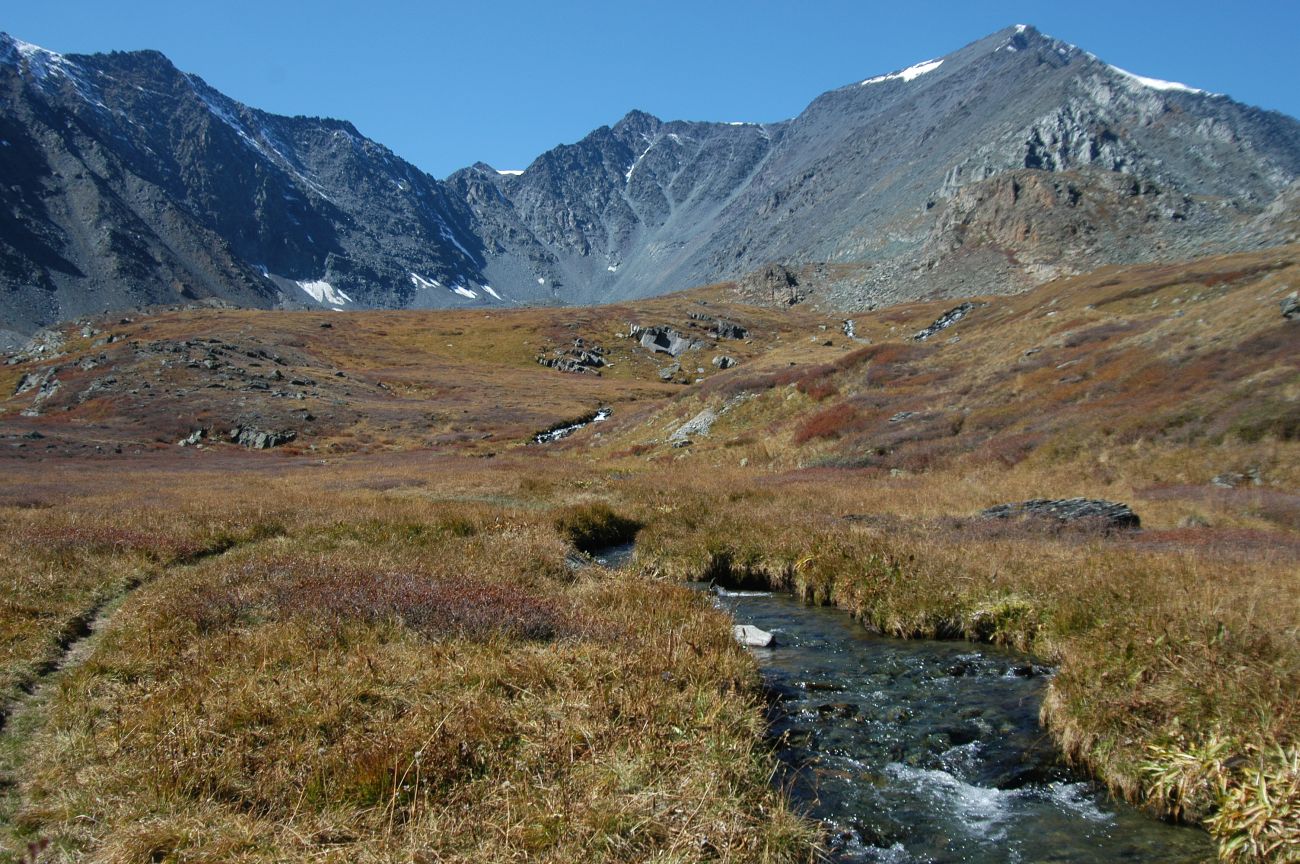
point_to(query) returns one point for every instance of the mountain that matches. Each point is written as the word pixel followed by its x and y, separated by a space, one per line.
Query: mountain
pixel 1013 160
pixel 129 182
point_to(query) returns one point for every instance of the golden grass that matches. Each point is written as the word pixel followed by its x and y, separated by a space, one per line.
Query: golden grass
pixel 412 681
pixel 374 649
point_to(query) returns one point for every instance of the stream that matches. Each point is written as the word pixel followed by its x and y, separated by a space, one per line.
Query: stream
pixel 568 427
pixel 929 751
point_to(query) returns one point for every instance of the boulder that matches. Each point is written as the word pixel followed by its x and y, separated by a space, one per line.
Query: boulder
pixel 752 637
pixel 727 330
pixel 664 340
pixel 722 361
pixel 1108 513
pixel 258 439
pixel 1291 306
pixel 700 424
pixel 29 381
pixel 777 281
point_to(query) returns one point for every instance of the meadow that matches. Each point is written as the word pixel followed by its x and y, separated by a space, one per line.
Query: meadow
pixel 380 642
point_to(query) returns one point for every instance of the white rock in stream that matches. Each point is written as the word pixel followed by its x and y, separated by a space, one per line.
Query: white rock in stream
pixel 752 637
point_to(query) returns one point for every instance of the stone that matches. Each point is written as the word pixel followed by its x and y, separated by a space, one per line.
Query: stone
pixel 664 340
pixel 667 373
pixel 700 424
pixel 728 330
pixel 1109 513
pixel 1291 306
pixel 752 637
pixel 722 361
pixel 193 438
pixel 257 439
pixel 29 381
pixel 777 281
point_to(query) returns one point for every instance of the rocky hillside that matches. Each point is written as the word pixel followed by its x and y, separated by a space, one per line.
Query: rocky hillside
pixel 1014 160
pixel 129 182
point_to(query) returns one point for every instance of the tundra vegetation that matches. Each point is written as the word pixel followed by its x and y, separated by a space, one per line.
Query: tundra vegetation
pixel 379 642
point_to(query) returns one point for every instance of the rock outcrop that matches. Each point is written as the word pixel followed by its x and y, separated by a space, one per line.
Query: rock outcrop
pixel 258 439
pixel 664 339
pixel 579 358
pixel 1109 514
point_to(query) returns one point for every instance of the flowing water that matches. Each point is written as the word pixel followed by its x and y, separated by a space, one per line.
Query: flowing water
pixel 564 430
pixel 925 751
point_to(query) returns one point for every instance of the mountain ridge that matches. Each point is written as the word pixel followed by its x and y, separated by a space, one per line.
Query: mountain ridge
pixel 913 177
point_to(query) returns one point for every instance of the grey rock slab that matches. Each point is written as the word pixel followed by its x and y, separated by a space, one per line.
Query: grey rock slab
pixel 752 637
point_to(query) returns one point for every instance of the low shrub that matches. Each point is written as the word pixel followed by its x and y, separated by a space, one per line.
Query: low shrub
pixel 833 422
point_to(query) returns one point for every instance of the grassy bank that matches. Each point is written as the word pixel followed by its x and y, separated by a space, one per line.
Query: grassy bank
pixel 1178 674
pixel 419 681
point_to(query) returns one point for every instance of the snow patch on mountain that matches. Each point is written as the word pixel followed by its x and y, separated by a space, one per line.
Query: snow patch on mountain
pixel 510 172
pixel 325 293
pixel 464 292
pixel 488 289
pixel 1155 83
pixel 42 63
pixel 451 238
pixel 627 176
pixel 911 73
pixel 420 282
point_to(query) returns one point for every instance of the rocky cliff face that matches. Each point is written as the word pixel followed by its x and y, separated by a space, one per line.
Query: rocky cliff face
pixel 1013 160
pixel 607 217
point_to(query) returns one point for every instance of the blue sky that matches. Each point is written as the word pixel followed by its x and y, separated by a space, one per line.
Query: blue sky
pixel 447 84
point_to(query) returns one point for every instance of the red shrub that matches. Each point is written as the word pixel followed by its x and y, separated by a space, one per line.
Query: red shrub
pixel 833 422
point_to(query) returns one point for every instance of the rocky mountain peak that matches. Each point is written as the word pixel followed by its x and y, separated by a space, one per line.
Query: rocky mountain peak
pixel 1012 159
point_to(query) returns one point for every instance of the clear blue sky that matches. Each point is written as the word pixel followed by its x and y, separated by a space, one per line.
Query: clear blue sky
pixel 446 84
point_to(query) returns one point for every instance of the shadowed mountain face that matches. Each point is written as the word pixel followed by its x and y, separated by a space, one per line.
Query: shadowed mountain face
pixel 1013 160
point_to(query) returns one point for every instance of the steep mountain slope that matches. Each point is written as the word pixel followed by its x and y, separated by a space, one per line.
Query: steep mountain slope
pixel 129 182
pixel 1013 160
pixel 611 215
pixel 1016 158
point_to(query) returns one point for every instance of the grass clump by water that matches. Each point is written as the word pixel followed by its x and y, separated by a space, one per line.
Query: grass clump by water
pixel 590 527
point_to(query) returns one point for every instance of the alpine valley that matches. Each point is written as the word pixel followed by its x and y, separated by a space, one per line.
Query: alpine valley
pixel 1014 160
pixel 914 480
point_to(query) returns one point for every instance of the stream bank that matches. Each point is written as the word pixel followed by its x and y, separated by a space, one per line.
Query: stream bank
pixel 931 751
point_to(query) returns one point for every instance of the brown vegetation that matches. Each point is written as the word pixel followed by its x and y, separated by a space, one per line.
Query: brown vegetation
pixel 367 645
